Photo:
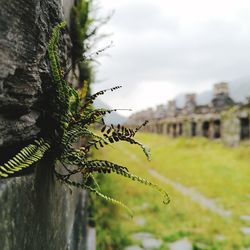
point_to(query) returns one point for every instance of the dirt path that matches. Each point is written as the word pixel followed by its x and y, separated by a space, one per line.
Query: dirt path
pixel 193 194
pixel 187 191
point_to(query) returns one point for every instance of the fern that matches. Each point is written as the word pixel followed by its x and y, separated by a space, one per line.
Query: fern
pixel 112 134
pixel 25 158
pixel 103 196
pixel 74 115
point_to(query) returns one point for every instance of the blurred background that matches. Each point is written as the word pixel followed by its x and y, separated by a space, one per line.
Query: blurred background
pixel 184 66
pixel 162 49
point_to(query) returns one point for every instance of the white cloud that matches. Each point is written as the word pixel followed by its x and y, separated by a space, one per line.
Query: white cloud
pixel 166 47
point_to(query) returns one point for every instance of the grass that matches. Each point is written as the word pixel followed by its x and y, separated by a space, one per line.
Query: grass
pixel 216 171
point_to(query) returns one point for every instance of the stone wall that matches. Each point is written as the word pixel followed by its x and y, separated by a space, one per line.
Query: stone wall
pixel 221 118
pixel 231 125
pixel 36 212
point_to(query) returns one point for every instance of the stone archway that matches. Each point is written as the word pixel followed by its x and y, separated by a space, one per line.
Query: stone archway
pixel 244 128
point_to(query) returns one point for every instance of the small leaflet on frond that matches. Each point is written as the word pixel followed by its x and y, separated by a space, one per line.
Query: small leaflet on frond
pixel 94 181
pixel 91 99
pixel 103 128
pixel 134 177
pixel 111 200
pixel 146 151
pixel 141 126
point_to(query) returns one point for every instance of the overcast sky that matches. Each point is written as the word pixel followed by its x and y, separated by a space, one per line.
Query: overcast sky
pixel 163 48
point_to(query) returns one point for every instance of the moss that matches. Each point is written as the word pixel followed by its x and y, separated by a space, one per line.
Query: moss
pixel 80 23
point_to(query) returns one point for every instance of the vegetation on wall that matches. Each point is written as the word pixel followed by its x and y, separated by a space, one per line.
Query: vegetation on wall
pixel 73 114
pixel 83 33
pixel 25 158
pixel 79 32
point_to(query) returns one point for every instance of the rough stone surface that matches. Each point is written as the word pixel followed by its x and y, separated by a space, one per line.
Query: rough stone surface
pixel 141 236
pixel 91 239
pixel 245 217
pixel 220 237
pixel 151 243
pixel 140 221
pixel 36 211
pixel 183 244
pixel 24 69
pixel 245 230
pixel 148 241
pixel 133 248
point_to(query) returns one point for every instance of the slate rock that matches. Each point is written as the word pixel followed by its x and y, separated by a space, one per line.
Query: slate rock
pixel 183 244
pixel 25 30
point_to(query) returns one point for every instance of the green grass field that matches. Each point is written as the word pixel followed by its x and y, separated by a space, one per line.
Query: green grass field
pixel 217 172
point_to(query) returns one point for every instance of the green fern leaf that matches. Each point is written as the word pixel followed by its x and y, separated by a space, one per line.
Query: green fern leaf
pixel 103 196
pixel 107 167
pixel 25 158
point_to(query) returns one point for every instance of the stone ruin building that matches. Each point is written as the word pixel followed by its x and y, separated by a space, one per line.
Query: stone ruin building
pixel 221 118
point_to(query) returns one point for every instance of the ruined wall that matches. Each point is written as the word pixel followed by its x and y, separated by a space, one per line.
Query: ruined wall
pixel 232 126
pixel 221 118
pixel 36 212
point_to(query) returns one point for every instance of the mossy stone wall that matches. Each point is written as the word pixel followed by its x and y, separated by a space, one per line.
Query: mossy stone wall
pixel 36 211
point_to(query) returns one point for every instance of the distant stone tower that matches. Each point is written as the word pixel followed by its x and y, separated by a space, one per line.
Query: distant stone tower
pixel 160 111
pixel 221 96
pixel 171 109
pixel 221 89
pixel 190 103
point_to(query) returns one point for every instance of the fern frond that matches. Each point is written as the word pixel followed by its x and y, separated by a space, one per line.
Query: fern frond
pixel 102 166
pixel 114 134
pixel 91 99
pixel 76 132
pixel 87 132
pixel 74 119
pixel 119 129
pixel 133 177
pixel 109 199
pixel 92 177
pixel 53 57
pixel 74 156
pixel 91 116
pixel 103 196
pixel 108 167
pixel 72 135
pixel 141 126
pixel 67 99
pixel 25 158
